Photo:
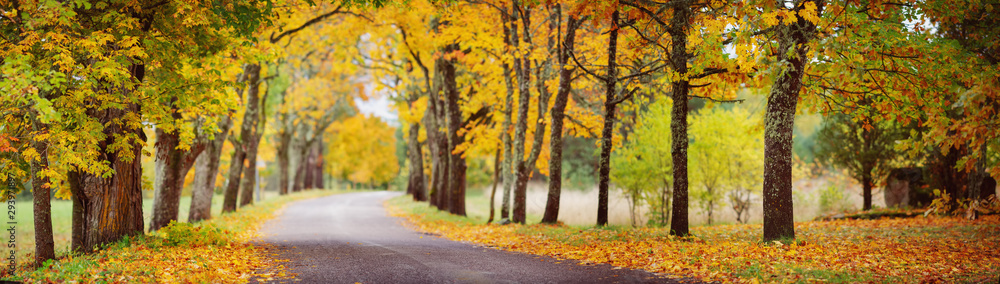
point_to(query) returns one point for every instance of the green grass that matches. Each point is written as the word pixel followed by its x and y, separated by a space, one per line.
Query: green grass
pixel 62 213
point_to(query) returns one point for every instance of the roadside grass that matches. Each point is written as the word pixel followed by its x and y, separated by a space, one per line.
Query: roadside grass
pixel 477 208
pixel 217 250
pixel 62 213
pixel 908 250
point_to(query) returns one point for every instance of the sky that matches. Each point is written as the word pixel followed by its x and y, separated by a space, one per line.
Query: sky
pixel 378 106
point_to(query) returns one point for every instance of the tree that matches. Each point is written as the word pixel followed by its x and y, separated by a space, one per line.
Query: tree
pixel 416 183
pixel 250 133
pixel 960 103
pixel 793 27
pixel 793 45
pixel 41 190
pixel 206 171
pixel 727 158
pixel 865 148
pixel 364 147
pixel 642 167
pixel 689 34
pixel 248 130
pixel 522 166
pixel 123 71
pixel 172 165
pixel 565 48
pixel 613 96
pixel 456 163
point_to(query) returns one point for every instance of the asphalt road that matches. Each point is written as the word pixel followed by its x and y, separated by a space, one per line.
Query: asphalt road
pixel 349 238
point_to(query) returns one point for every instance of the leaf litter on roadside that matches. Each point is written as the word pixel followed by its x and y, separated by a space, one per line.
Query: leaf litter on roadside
pixel 921 249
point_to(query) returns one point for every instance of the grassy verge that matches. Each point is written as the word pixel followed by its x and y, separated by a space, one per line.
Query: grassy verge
pixel 216 250
pixel 62 213
pixel 922 249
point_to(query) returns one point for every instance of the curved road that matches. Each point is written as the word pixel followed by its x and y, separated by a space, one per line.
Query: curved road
pixel 348 238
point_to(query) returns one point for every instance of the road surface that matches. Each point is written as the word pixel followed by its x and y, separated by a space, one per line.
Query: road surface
pixel 348 238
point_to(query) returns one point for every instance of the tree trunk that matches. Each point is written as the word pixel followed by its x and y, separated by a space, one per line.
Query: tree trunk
pixel 299 178
pixel 172 165
pixel 444 177
pixel 496 180
pixel 318 164
pixel 508 159
pixel 234 177
pixel 866 184
pixel 444 155
pixel 416 186
pixel 609 123
pixel 778 125
pixel 253 118
pixel 307 169
pixel 283 148
pixel 558 112
pixel 252 73
pixel 41 190
pixel 205 173
pixel 522 68
pixel 976 178
pixel 678 124
pixel 249 174
pixel 435 151
pixel 456 164
pixel 107 209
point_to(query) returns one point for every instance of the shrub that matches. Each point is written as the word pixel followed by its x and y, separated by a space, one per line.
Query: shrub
pixel 186 234
pixel 831 199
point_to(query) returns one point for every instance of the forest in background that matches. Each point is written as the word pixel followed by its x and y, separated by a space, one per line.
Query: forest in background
pixel 681 104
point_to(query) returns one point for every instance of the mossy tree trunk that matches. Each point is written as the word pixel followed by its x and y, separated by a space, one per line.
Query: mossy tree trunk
pixel 793 46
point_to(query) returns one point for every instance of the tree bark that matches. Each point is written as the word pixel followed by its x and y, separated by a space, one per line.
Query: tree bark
pixel 318 164
pixel 609 123
pixel 299 178
pixel 558 113
pixel 432 145
pixel 496 180
pixel 252 73
pixel 456 163
pixel 205 173
pixel 976 178
pixel 284 144
pixel 172 165
pixel 444 154
pixel 252 115
pixel 41 193
pixel 416 186
pixel 778 125
pixel 866 185
pixel 679 25
pixel 249 173
pixel 508 151
pixel 522 67
pixel 107 209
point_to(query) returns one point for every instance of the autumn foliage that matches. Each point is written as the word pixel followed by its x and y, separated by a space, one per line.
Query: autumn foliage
pixel 904 250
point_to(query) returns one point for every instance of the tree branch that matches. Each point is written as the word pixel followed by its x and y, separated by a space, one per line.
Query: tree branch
pixel 599 77
pixel 306 24
pixel 717 100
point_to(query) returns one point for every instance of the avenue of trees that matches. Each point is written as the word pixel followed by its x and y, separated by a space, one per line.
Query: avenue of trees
pixel 503 80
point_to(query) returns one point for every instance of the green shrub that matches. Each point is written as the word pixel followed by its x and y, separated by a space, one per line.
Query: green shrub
pixel 187 234
pixel 831 199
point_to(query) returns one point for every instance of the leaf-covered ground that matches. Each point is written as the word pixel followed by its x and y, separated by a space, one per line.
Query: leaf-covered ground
pixel 921 249
pixel 214 251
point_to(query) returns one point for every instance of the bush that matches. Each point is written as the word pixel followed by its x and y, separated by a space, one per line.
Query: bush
pixel 186 234
pixel 831 199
